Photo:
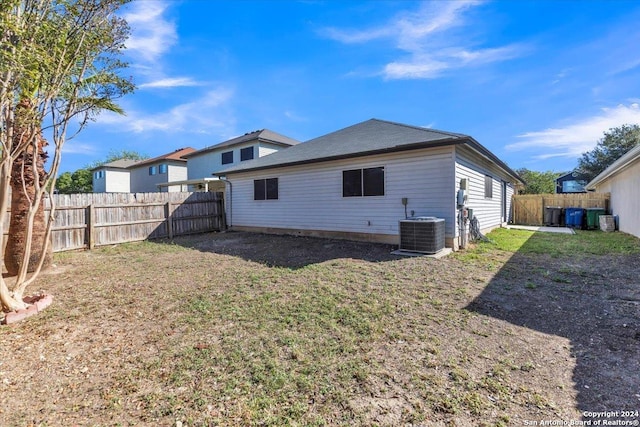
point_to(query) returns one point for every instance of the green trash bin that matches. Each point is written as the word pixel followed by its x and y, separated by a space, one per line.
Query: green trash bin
pixel 593 218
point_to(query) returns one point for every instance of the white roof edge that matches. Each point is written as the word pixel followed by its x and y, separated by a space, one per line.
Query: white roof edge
pixel 624 161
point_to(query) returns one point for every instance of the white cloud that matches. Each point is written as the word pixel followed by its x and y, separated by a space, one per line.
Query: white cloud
pixel 574 139
pixel 170 82
pixel 77 148
pixel 427 38
pixel 201 116
pixel 151 33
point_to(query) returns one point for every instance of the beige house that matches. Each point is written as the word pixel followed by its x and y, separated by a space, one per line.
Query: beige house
pixel 622 180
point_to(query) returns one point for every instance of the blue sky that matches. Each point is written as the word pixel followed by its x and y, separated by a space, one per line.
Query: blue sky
pixel 536 82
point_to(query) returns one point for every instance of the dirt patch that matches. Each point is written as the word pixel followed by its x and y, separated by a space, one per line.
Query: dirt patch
pixel 250 329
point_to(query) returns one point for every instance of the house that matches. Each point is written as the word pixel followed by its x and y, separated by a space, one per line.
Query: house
pixel 112 177
pixel 358 182
pixel 572 182
pixel 145 176
pixel 251 145
pixel 622 181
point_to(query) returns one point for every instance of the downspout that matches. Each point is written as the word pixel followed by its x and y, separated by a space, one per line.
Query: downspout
pixel 225 180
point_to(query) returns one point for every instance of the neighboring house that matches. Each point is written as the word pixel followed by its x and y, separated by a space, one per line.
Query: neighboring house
pixel 148 175
pixel 113 177
pixel 622 181
pixel 202 163
pixel 145 176
pixel 572 182
pixel 354 183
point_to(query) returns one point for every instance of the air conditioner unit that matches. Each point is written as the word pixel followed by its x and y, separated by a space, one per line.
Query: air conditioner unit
pixel 422 234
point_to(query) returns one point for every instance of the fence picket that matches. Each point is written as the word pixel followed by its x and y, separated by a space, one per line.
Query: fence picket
pixel 95 219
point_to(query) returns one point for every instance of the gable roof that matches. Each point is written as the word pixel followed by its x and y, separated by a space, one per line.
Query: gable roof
pixel 176 155
pixel 370 137
pixel 262 135
pixel 117 164
pixel 625 160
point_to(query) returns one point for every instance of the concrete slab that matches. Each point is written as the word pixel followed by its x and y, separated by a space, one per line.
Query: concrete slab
pixel 562 230
pixel 437 255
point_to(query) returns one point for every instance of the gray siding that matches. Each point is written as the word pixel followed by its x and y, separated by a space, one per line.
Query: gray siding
pixel 510 192
pixel 310 196
pixel 142 182
pixel 205 164
pixel 474 168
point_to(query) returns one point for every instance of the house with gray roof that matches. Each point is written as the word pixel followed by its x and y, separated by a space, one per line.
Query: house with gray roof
pixel 113 177
pixel 359 182
pixel 622 181
pixel 233 152
pixel 142 176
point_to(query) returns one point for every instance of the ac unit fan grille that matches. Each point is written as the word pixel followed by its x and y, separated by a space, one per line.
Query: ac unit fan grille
pixel 419 235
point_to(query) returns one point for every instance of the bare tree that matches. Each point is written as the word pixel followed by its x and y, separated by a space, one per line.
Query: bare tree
pixel 59 68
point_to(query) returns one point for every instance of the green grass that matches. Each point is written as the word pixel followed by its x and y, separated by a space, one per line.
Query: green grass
pixel 584 242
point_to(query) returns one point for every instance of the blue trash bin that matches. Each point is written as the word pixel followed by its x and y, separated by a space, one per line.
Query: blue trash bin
pixel 574 217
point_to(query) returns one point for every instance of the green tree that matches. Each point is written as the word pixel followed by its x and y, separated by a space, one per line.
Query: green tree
pixel 59 66
pixel 81 181
pixel 537 182
pixel 616 142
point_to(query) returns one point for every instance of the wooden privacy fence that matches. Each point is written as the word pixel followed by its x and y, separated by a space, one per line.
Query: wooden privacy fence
pixel 96 219
pixel 528 209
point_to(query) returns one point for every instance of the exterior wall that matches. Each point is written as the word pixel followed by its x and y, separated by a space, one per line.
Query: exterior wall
pixel 142 182
pixel 625 197
pixel 175 173
pixel 205 164
pixel 266 149
pixel 473 167
pixel 114 181
pixel 510 192
pixel 99 184
pixel 310 196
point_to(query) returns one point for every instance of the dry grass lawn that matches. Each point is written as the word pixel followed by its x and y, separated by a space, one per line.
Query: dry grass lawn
pixel 248 329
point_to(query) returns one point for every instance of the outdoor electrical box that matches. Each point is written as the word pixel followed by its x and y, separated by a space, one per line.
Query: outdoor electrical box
pixel 462 197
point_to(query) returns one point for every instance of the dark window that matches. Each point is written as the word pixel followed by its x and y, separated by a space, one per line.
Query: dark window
pixel 373 182
pixel 162 168
pixel 363 182
pixel 246 154
pixel 352 183
pixel 265 189
pixel 227 157
pixel 152 170
pixel 259 189
pixel 488 187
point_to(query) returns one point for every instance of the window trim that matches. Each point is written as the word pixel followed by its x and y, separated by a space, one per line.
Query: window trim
pixel 222 157
pixel 366 185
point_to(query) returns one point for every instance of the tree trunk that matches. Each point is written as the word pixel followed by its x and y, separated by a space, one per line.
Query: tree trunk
pixel 23 191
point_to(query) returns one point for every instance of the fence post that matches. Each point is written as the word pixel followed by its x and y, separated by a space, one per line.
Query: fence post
pixel 91 236
pixel 168 216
